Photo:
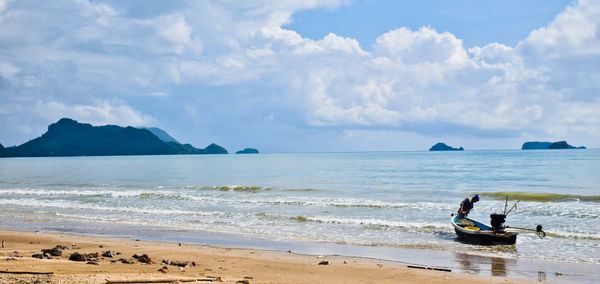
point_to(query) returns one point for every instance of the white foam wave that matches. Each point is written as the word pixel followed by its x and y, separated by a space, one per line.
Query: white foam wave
pixel 89 193
pixel 65 204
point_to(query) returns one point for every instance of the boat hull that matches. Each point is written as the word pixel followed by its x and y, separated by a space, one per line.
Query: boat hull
pixel 482 234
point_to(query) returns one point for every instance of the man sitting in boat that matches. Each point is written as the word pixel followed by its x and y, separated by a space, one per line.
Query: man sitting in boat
pixel 466 205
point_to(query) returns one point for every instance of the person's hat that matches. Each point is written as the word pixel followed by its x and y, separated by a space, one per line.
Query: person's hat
pixel 476 196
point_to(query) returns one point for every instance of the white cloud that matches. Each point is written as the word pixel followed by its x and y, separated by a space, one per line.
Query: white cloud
pixel 3 4
pixel 200 51
pixel 101 112
pixel 175 29
pixel 422 46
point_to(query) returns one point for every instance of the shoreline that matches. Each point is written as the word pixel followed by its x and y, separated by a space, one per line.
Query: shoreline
pixel 231 264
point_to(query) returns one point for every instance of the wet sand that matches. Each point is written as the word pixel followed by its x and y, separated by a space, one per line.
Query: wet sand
pixel 205 263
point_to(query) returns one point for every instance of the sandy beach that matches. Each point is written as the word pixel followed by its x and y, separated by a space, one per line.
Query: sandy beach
pixel 204 263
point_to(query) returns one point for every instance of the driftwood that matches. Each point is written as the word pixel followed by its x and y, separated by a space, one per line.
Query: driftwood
pixel 159 280
pixel 429 268
pixel 25 272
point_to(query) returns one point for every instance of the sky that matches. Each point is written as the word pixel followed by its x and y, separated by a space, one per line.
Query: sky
pixel 307 75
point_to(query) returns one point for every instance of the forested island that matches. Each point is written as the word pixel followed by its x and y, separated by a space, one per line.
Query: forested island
pixel 68 137
pixel 443 147
pixel 548 145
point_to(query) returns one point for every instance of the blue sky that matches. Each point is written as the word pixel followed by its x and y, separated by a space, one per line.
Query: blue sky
pixel 305 75
pixel 477 23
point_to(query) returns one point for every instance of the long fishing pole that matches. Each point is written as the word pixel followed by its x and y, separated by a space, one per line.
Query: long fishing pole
pixel 513 207
pixel 505 204
pixel 539 232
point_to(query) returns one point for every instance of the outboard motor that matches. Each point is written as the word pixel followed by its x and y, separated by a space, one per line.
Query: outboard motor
pixel 497 221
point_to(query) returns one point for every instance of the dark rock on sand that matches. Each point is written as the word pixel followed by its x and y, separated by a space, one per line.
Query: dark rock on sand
pixel 126 261
pixel 78 257
pixel 92 263
pixel 164 269
pixel 180 263
pixel 144 258
pixel 56 251
pixel 324 262
pixel 108 253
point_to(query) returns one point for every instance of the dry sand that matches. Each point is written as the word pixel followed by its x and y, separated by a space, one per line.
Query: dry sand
pixel 230 265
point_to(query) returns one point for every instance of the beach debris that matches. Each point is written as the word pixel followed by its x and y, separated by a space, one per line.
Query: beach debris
pixel 324 262
pixel 156 280
pixel 41 256
pixel 248 277
pixel 92 262
pixel 26 272
pixel 243 281
pixel 2 243
pixel 164 269
pixel 345 262
pixel 101 246
pixel 379 265
pixel 179 244
pixel 193 263
pixel 429 268
pixel 16 252
pixel 289 251
pixel 320 256
pixel 177 263
pixel 144 258
pixel 558 274
pixel 215 278
pixel 108 253
pixel 123 260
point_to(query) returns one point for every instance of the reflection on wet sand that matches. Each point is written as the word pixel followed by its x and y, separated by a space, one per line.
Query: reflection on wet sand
pixel 498 266
pixel 473 264
pixel 541 276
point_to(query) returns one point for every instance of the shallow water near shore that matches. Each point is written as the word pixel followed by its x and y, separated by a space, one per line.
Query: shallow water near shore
pixel 370 204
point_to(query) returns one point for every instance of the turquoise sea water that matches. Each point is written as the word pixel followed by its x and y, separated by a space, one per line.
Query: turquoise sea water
pixel 378 199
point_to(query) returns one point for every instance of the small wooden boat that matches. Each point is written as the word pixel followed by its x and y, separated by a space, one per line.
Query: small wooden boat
pixel 475 232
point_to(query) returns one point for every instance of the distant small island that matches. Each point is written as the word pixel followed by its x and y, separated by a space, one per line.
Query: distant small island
pixel 247 151
pixel 548 145
pixel 443 147
pixel 68 137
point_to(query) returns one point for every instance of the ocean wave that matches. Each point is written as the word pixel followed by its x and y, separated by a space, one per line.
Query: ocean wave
pixel 573 235
pixel 353 203
pixel 65 204
pixel 372 224
pixel 241 188
pixel 541 197
pixel 90 193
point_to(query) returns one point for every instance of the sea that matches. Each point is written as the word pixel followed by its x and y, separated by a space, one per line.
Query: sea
pixel 370 201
